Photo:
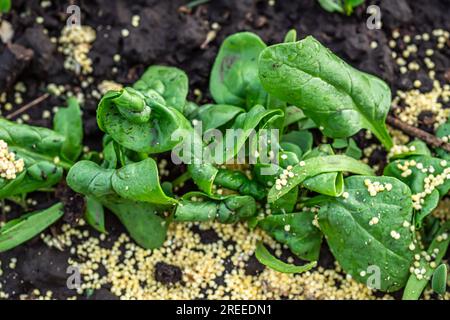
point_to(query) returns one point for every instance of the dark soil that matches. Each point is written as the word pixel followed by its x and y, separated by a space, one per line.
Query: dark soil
pixel 206 236
pixel 169 36
pixel 74 204
pixel 167 273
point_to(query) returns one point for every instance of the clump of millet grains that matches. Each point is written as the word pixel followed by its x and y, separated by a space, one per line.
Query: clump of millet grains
pixel 9 165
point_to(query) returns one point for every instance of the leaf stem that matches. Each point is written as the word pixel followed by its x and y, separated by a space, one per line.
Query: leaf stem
pixel 383 135
pixel 181 179
pixel 65 165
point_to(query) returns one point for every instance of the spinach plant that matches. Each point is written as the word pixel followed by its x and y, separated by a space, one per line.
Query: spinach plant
pixel 315 193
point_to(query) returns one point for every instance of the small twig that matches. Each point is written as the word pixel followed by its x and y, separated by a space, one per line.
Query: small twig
pixel 28 106
pixel 418 133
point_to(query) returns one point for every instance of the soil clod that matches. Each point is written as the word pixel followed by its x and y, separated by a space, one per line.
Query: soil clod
pixel 13 62
pixel 167 273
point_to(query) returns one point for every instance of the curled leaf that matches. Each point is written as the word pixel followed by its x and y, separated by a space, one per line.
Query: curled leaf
pixel 266 258
pixel 140 122
pixel 171 83
pixel 331 183
pixel 314 166
pixel 238 181
pixel 196 206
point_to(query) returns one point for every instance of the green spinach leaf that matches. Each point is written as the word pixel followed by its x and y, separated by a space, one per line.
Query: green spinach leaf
pixel 337 97
pixel 22 229
pixel 439 280
pixel 294 114
pixel 340 143
pixel 427 178
pixel 238 181
pixel 341 6
pixel 331 183
pixel 414 148
pixel 33 144
pixel 303 139
pixel 5 5
pixel 416 284
pixel 35 176
pixel 196 206
pixel 365 231
pixel 171 83
pixel 297 231
pixel 291 36
pixel 132 192
pixel 443 132
pixel 234 76
pixel 332 5
pixel 353 150
pixel 68 123
pixel 140 122
pixel 256 118
pixel 95 214
pixel 214 116
pixel 286 203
